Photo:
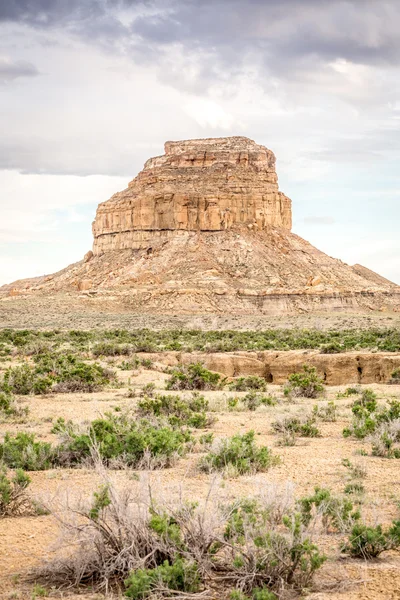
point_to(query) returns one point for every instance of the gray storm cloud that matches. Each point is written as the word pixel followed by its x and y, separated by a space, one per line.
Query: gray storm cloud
pixel 10 70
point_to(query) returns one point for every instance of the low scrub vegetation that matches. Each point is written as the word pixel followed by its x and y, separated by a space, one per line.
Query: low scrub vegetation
pixel 252 382
pixel 325 412
pixel 369 542
pixel 185 340
pixel 10 408
pixel 120 439
pixel 155 548
pixel 55 373
pixel 307 384
pixel 177 410
pixel 395 378
pixel 252 400
pixel 297 426
pixel 238 455
pixel 117 440
pixel 368 416
pixel 194 377
pixel 337 513
pixel 23 451
pixel 13 497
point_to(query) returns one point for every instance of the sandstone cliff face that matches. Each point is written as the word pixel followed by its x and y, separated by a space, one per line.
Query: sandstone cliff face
pixel 205 229
pixel 197 185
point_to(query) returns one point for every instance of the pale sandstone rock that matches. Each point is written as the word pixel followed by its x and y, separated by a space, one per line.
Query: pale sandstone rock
pixel 336 369
pixel 84 285
pixel 204 228
pixel 197 185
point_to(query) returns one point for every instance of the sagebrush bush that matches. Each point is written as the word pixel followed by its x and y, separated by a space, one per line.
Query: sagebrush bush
pixel 252 400
pixel 186 340
pixel 252 382
pixel 111 349
pixel 24 379
pixel 180 576
pixel 239 455
pixel 193 377
pixel 9 407
pixel 307 383
pixel 13 498
pixel 178 411
pixel 163 549
pixel 336 512
pixel 58 373
pixel 23 451
pixel 369 542
pixel 368 416
pixel 325 412
pixel 304 426
pixel 121 439
pixel 386 440
pixel 395 378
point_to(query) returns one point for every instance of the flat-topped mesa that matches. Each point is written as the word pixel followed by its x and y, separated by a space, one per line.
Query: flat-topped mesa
pixel 197 185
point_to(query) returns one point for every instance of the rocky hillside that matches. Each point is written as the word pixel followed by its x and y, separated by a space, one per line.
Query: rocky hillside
pixel 204 228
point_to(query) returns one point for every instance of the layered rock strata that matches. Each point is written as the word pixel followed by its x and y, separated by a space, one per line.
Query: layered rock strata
pixel 197 185
pixel 205 229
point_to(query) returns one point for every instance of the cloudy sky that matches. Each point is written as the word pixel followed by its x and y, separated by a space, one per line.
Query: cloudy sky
pixel 89 89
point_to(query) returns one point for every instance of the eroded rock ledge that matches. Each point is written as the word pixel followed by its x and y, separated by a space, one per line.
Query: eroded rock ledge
pixel 197 185
pixel 276 366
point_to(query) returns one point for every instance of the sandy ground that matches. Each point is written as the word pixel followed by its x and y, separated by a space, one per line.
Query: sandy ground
pixel 73 311
pixel 26 541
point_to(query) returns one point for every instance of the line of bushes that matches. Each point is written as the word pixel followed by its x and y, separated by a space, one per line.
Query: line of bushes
pixel 145 340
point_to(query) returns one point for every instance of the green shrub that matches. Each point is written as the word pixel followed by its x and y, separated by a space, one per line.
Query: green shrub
pixel 354 488
pixel 180 576
pixel 71 374
pixel 395 379
pixel 111 349
pixel 178 411
pixel 255 594
pixel 368 416
pixel 240 455
pixel 358 471
pixel 121 439
pixel 252 382
pixel 13 499
pixel 332 348
pixel 368 542
pixel 327 413
pixel 193 377
pixel 336 512
pixel 23 380
pixel 129 365
pixel 233 403
pixel 253 400
pixel 386 439
pixel 10 408
pixel 350 391
pixel 306 384
pixel 22 451
pixel 303 427
pixel 58 373
pixel 181 549
pixel 185 340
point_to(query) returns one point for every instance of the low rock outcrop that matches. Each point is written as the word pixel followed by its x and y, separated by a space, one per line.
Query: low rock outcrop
pixel 276 366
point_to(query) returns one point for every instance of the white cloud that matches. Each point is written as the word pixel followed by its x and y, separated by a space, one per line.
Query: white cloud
pixel 209 114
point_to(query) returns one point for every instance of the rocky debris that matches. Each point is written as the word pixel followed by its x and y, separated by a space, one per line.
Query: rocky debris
pixel 88 256
pixel 205 229
pixel 197 185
